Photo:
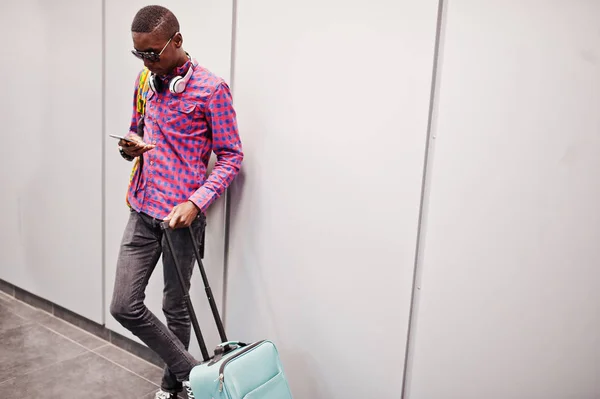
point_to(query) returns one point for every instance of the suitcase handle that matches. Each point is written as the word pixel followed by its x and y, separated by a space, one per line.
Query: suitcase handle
pixel 226 347
pixel 229 343
pixel 215 311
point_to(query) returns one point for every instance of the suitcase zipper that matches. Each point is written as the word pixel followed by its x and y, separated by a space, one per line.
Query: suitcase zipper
pixel 222 368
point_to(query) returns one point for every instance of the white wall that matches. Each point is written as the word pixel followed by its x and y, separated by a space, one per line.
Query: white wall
pixel 332 99
pixel 206 29
pixel 51 163
pixel 510 299
pixel 323 236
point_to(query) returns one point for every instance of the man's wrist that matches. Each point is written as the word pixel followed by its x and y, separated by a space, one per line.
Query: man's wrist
pixel 195 206
pixel 124 155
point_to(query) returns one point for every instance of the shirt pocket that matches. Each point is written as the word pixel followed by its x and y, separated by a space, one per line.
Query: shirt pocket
pixel 181 115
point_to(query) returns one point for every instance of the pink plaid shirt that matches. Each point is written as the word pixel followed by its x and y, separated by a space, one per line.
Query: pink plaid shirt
pixel 185 128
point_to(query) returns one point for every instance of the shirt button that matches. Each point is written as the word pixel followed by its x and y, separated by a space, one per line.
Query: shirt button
pixel 151 162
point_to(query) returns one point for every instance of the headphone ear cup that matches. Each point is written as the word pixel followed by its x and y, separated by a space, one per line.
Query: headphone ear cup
pixel 177 85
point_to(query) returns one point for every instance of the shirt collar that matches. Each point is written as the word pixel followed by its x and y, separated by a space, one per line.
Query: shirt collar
pixel 178 71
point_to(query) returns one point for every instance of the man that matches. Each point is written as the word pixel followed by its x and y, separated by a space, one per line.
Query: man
pixel 172 142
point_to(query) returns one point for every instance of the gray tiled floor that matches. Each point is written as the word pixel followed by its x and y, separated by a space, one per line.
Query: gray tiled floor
pixel 42 356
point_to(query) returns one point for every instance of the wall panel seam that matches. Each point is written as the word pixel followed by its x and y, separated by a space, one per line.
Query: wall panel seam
pixel 103 164
pixel 425 190
pixel 228 191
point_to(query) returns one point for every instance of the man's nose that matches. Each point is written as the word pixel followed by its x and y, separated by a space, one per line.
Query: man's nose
pixel 147 63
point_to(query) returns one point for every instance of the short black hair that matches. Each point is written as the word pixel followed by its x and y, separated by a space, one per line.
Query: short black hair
pixel 151 18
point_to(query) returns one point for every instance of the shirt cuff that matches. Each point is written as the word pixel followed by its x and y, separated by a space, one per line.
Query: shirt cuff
pixel 203 198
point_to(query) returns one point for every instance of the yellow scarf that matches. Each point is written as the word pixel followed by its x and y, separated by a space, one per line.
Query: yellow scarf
pixel 142 92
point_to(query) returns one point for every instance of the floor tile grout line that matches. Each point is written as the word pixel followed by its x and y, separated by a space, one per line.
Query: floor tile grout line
pixel 53 316
pixel 28 318
pixel 104 342
pixel 22 302
pixel 35 322
pixel 124 368
pixel 52 313
pixel 69 323
pixel 130 354
pixel 16 314
pixel 13 299
pixel 64 336
pixel 52 364
pixel 88 350
pixel 7 381
pixel 27 323
pixel 85 352
pixel 41 323
pixel 2 294
pixel 93 351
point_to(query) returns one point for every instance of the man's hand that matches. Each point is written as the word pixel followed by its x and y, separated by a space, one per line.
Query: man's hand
pixel 182 215
pixel 135 149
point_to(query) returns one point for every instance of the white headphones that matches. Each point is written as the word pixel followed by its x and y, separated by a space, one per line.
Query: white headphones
pixel 176 85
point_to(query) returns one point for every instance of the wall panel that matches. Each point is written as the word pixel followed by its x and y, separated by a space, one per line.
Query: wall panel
pixel 51 163
pixel 509 305
pixel 333 103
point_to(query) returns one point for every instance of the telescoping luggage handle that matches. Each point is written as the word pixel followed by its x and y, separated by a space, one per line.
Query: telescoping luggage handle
pixel 165 227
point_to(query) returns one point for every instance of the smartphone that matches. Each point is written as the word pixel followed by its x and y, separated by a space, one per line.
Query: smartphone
pixel 122 138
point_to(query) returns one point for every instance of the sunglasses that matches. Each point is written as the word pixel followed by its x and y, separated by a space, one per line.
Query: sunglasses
pixel 151 55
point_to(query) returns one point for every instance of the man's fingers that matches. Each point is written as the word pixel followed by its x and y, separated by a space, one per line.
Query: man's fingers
pixel 130 144
pixel 133 150
pixel 139 150
pixel 180 216
pixel 178 221
pixel 174 221
pixel 170 215
pixel 136 149
pixel 135 153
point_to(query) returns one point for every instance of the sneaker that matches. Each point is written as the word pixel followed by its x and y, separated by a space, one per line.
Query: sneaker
pixel 188 389
pixel 165 395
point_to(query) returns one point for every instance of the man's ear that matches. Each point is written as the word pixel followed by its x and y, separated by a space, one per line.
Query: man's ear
pixel 178 40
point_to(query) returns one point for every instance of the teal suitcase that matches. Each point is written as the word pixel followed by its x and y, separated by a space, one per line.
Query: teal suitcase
pixel 236 370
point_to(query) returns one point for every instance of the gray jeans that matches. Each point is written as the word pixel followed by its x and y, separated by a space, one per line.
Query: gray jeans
pixel 142 244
